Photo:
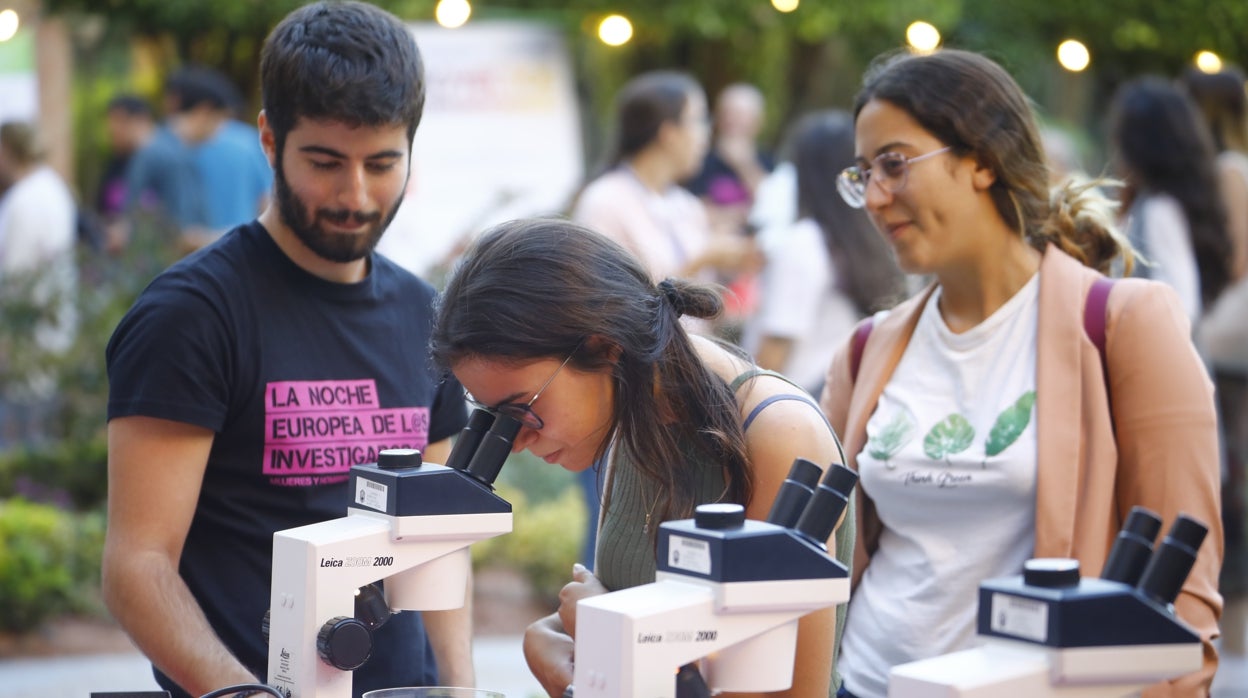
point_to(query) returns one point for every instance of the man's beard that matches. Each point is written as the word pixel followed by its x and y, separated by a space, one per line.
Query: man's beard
pixel 334 247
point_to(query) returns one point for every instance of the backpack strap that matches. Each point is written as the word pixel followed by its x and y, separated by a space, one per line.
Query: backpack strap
pixel 1094 318
pixel 1095 307
pixel 858 345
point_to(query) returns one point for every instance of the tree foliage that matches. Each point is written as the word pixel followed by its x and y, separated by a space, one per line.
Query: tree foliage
pixel 812 57
pixel 1132 33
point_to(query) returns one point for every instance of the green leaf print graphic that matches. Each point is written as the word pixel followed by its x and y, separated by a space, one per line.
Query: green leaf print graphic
pixel 1009 425
pixel 894 435
pixel 953 435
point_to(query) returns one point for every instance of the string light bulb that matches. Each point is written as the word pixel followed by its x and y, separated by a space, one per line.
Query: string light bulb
pixel 1073 55
pixel 922 37
pixel 9 23
pixel 452 14
pixel 1208 62
pixel 615 30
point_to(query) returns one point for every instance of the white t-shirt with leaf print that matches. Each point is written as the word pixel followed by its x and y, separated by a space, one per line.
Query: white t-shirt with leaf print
pixel 950 463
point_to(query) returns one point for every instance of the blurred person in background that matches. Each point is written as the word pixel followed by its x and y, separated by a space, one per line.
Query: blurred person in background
pixel 728 184
pixel 735 165
pixel 233 173
pixel 1221 100
pixel 1223 335
pixel 775 201
pixel 662 135
pixel 162 180
pixel 825 272
pixel 129 125
pixel 1175 215
pixel 37 266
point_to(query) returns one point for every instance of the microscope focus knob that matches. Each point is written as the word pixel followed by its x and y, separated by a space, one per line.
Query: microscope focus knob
pixel 398 458
pixel 719 516
pixel 344 643
pixel 1051 572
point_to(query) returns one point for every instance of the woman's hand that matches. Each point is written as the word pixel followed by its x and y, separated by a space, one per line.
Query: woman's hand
pixel 548 643
pixel 583 585
pixel 548 651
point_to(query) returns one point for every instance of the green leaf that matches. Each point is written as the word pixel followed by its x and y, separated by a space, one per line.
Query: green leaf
pixel 953 435
pixel 896 434
pixel 1010 424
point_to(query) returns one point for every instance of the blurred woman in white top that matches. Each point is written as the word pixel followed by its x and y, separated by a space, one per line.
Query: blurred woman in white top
pixel 824 272
pixel 1176 218
pixel 37 266
pixel 37 231
pixel 662 137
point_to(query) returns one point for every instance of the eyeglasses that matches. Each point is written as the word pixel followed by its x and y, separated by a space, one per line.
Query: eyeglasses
pixel 519 411
pixel 888 169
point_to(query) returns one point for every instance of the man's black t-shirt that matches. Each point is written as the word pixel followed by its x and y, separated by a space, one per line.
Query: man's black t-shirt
pixel 299 378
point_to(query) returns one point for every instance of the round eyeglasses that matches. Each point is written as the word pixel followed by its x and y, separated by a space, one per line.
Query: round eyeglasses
pixel 521 411
pixel 887 169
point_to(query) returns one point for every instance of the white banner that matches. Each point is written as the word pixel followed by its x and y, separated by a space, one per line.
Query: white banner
pixel 19 85
pixel 500 137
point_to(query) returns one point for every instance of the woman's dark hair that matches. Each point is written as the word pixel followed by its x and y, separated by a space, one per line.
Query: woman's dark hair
pixel 349 62
pixel 821 146
pixel 540 288
pixel 972 105
pixel 1220 97
pixel 644 104
pixel 1166 149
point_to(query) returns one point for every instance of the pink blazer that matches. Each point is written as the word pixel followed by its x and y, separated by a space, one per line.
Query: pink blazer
pixel 1165 456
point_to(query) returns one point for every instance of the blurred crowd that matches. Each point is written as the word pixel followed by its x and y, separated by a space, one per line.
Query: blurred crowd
pixel 179 182
pixel 693 192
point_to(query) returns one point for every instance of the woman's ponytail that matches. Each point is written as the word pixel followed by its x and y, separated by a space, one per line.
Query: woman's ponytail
pixel 1081 223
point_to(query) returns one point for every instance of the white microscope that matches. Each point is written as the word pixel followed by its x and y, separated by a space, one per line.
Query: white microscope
pixel 1052 634
pixel 410 523
pixel 728 592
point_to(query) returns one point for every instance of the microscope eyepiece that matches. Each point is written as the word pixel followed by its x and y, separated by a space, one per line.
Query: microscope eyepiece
pixel 794 493
pixel 840 479
pixel 469 439
pixel 1169 566
pixel 1133 547
pixel 827 504
pixel 494 449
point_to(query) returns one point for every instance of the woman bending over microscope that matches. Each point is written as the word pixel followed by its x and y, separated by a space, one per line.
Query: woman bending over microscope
pixel 563 329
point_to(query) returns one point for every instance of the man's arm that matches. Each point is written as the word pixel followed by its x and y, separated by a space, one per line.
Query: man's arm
pixel 450 631
pixel 155 468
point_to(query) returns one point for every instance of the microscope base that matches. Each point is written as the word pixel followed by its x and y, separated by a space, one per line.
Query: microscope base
pixel 1022 670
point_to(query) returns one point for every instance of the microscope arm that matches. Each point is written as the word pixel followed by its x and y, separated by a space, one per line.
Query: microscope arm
pixel 747 632
pixel 317 568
